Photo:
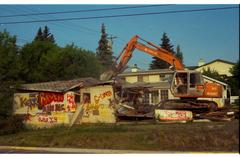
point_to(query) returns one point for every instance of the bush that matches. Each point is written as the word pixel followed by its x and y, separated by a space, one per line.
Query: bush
pixel 11 125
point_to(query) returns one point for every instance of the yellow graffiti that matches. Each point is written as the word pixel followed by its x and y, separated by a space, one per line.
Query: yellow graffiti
pixel 91 107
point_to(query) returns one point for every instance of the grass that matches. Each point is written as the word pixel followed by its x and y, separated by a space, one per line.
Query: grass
pixel 206 137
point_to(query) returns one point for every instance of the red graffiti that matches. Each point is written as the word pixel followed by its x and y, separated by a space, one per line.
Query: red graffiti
pixel 102 96
pixel 71 106
pixel 47 98
pixel 178 115
pixel 47 119
pixel 70 99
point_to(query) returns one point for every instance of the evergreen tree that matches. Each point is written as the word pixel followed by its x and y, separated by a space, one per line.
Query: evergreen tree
pixel 44 35
pixel 104 52
pixel 9 66
pixel 156 62
pixel 32 54
pixel 179 53
pixel 213 74
pixel 234 80
pixel 39 35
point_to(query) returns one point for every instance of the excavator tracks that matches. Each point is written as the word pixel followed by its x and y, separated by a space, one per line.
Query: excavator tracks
pixel 196 106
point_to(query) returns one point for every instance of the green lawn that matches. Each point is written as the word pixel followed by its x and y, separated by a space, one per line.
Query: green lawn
pixel 207 137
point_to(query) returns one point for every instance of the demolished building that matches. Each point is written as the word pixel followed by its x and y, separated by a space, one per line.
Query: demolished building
pixel 84 100
pixel 131 96
pixel 160 81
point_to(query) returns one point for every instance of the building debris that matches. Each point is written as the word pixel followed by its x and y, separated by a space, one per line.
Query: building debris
pixel 223 114
pixel 133 106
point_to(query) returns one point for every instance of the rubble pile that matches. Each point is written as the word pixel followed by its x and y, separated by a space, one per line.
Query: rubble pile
pixel 132 105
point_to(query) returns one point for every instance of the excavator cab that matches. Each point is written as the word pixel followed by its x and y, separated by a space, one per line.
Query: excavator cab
pixel 187 84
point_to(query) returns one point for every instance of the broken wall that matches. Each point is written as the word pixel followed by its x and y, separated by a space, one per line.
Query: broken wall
pixel 97 104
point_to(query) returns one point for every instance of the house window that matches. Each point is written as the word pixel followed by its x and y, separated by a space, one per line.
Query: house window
pixel 140 78
pixel 123 79
pixel 145 78
pixel 154 97
pixel 164 94
pixel 77 98
pixel 86 98
pixel 162 77
pixel 146 97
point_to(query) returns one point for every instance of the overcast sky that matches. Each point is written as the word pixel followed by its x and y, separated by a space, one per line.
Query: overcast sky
pixel 207 34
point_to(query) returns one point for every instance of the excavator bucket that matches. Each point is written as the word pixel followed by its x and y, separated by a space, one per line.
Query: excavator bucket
pixel 107 75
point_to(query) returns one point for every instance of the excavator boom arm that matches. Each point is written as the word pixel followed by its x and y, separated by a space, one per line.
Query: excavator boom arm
pixel 154 50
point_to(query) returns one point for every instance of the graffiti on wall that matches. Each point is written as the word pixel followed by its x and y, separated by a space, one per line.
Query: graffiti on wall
pixel 91 109
pixel 25 102
pixel 51 102
pixel 102 96
pixel 97 108
pixel 53 108
pixel 175 115
pixel 47 119
pixel 31 101
pixel 46 98
pixel 71 106
pixel 44 102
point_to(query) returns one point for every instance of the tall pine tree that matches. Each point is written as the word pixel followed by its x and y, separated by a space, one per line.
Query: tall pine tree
pixel 39 35
pixel 156 62
pixel 44 35
pixel 179 53
pixel 104 51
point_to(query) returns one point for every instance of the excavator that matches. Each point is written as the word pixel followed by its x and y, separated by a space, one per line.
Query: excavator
pixel 187 85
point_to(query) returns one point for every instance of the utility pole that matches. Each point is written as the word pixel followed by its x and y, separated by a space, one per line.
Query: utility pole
pixel 111 37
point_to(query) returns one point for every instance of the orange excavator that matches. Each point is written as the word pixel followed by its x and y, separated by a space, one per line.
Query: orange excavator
pixel 188 85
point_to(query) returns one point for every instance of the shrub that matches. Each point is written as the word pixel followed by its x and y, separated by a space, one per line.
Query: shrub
pixel 11 125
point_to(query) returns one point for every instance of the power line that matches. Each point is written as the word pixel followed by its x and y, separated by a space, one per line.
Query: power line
pixel 89 10
pixel 122 15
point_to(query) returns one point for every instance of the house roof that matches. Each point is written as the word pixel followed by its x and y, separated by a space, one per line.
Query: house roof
pixel 214 80
pixel 192 67
pixel 216 60
pixel 162 84
pixel 59 86
pixel 146 72
pixel 129 68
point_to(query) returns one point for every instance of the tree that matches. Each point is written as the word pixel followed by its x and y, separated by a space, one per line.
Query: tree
pixel 156 62
pixel 9 70
pixel 31 56
pixel 213 74
pixel 179 53
pixel 234 80
pixel 44 35
pixel 39 35
pixel 75 63
pixel 104 52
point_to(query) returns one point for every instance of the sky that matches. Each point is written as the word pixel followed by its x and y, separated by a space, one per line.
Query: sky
pixel 208 35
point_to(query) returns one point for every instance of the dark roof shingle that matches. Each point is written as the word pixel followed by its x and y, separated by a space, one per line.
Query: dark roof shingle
pixel 59 86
